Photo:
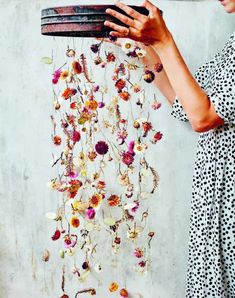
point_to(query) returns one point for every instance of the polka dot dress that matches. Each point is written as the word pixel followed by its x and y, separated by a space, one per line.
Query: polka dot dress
pixel 211 259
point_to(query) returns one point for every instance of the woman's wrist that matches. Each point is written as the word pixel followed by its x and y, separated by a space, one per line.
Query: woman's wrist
pixel 166 42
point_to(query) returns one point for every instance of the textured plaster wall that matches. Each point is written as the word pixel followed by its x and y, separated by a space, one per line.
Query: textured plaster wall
pixel 200 29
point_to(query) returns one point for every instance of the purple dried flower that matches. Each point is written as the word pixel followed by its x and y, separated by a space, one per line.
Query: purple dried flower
pixel 101 104
pixel 95 48
pixel 112 38
pixel 101 147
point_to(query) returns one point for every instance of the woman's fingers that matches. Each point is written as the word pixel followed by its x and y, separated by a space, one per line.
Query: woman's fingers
pixel 147 4
pixel 121 17
pixel 131 12
pixel 117 43
pixel 121 29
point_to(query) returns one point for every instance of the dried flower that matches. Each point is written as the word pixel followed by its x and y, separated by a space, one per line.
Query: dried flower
pixel 101 147
pixel 57 140
pixel 91 104
pixel 69 242
pixel 92 155
pixel 128 46
pixel 64 74
pixel 110 57
pixel 95 200
pixel 158 67
pixel 90 213
pixel 136 88
pixel 95 47
pixel 140 52
pixel 68 92
pixel 157 136
pixel 120 84
pixel 139 252
pixel 56 235
pixel 127 158
pixel 56 76
pixel 75 222
pixel 70 53
pixel 113 287
pixel 77 68
pixel 114 200
pixel 76 136
pixel 156 105
pixel 46 255
pixel 124 95
pixel 124 293
pixel 149 76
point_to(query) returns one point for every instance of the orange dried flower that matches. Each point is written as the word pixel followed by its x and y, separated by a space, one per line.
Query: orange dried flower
pixel 95 200
pixel 57 140
pixel 124 293
pixel 114 200
pixel 124 95
pixel 91 104
pixel 68 92
pixel 75 222
pixel 101 184
pixel 92 155
pixel 113 287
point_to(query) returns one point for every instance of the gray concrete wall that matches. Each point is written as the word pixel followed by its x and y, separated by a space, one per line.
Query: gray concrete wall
pixel 200 29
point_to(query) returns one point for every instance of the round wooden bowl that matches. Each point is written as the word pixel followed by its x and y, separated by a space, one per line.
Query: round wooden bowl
pixel 80 20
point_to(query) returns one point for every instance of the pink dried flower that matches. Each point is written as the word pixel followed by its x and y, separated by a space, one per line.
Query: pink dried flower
pixel 138 252
pixel 68 242
pixel 90 213
pixel 131 146
pixel 156 105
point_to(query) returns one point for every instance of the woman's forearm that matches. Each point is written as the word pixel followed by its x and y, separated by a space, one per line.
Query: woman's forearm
pixel 161 80
pixel 192 97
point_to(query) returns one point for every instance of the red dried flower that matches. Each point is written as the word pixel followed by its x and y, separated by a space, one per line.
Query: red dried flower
pixel 110 57
pixel 56 235
pixel 120 84
pixel 127 158
pixel 76 136
pixel 77 68
pixel 158 67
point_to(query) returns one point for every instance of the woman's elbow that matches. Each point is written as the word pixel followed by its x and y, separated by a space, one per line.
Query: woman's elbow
pixel 207 124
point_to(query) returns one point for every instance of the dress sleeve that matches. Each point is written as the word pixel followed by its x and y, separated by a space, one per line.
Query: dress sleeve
pixel 178 111
pixel 222 92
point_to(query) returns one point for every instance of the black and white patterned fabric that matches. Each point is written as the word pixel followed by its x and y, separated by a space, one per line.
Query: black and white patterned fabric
pixel 211 258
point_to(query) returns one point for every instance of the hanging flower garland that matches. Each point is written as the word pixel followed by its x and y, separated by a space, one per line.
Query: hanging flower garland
pixel 90 134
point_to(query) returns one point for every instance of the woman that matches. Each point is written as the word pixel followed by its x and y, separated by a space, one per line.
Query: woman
pixel 207 101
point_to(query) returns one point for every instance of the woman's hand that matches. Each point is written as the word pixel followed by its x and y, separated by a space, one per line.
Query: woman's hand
pixel 149 29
